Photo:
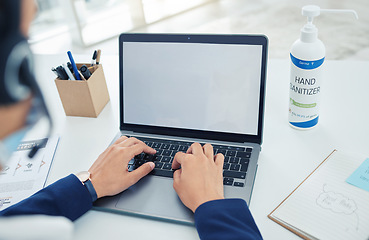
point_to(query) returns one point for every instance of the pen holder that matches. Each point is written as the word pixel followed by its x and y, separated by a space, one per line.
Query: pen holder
pixel 85 98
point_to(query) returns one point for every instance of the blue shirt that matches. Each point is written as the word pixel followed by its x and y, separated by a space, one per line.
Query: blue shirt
pixel 218 219
pixel 226 219
pixel 66 197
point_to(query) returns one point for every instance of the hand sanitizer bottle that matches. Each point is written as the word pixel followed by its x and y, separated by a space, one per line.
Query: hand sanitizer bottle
pixel 307 62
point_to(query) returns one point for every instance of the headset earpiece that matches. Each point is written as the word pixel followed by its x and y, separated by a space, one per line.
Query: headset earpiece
pixel 14 55
pixel 15 65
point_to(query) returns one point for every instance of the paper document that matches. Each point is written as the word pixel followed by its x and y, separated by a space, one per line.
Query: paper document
pixel 22 176
pixel 325 206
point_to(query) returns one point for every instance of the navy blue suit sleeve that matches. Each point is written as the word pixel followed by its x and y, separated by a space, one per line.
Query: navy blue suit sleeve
pixel 226 219
pixel 66 197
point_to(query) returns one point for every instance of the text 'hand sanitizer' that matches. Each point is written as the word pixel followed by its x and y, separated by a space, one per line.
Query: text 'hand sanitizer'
pixel 307 58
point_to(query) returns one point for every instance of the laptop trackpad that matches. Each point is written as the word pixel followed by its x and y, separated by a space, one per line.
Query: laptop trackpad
pixel 155 197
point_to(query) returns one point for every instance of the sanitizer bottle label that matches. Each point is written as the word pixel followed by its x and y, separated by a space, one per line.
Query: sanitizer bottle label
pixel 304 92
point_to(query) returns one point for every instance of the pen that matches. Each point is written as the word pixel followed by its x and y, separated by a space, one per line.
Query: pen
pixel 54 71
pixel 85 72
pixel 61 73
pixel 70 75
pixel 75 70
pixel 98 57
pixel 69 65
pixel 94 56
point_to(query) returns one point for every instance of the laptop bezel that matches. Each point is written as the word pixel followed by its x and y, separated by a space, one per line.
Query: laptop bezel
pixel 197 38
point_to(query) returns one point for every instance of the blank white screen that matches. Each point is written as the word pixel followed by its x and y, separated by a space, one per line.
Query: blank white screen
pixel 197 86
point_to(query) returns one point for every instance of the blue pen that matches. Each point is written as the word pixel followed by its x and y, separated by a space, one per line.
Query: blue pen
pixel 75 69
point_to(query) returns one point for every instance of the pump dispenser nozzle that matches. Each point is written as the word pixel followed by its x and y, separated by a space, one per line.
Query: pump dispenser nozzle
pixel 310 11
pixel 309 32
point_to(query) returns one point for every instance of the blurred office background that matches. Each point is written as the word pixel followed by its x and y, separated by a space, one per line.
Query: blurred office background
pixel 84 25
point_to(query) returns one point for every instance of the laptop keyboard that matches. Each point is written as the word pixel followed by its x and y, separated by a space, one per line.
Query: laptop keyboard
pixel 236 159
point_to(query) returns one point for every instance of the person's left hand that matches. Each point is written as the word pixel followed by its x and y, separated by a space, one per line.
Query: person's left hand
pixel 109 173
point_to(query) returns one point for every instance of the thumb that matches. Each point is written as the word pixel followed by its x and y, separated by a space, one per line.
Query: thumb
pixel 176 175
pixel 141 171
pixel 219 160
pixel 176 178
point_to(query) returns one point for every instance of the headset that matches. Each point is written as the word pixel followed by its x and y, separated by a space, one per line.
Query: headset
pixel 17 79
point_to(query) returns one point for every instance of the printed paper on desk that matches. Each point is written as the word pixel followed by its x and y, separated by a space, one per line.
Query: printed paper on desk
pixel 22 176
pixel 360 178
pixel 325 206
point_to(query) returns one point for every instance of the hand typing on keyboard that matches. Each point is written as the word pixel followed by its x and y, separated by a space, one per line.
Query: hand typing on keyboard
pixel 109 173
pixel 200 178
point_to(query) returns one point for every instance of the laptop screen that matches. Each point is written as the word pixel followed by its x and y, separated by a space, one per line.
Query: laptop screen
pixel 200 86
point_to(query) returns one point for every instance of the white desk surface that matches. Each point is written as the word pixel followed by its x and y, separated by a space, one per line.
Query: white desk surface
pixel 287 155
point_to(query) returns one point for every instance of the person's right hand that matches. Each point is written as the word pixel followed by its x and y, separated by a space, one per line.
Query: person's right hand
pixel 200 178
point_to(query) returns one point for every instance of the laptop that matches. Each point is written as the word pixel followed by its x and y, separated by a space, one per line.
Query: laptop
pixel 176 89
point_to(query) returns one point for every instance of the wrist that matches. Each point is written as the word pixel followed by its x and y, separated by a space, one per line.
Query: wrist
pixel 85 179
pixel 205 200
pixel 98 189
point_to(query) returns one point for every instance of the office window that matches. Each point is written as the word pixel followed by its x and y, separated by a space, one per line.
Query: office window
pixel 155 10
pixel 49 20
pixel 92 21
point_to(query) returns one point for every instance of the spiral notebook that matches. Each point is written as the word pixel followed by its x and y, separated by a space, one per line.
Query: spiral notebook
pixel 324 205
